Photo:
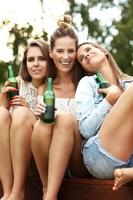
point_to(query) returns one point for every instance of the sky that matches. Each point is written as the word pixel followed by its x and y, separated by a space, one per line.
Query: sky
pixel 23 11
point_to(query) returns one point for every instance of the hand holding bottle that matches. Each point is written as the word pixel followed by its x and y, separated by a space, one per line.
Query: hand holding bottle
pixel 18 101
pixel 5 91
pixel 112 93
pixel 40 109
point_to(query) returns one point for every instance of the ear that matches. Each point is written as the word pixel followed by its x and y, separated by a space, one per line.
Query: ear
pixel 50 53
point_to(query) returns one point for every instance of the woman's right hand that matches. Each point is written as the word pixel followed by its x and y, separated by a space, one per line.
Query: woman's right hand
pixel 40 108
pixel 112 93
pixel 4 94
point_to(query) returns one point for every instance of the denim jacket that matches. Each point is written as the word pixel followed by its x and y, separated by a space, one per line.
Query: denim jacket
pixel 91 107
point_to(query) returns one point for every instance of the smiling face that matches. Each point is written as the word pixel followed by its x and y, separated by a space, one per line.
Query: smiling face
pixel 64 54
pixel 90 57
pixel 37 65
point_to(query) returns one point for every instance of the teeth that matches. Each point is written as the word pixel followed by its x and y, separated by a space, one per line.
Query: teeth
pixel 65 63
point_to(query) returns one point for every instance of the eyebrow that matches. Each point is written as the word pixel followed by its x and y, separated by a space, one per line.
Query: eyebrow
pixel 85 49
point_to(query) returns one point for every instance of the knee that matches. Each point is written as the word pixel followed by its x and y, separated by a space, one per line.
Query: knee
pixel 21 116
pixel 41 131
pixel 65 119
pixel 4 115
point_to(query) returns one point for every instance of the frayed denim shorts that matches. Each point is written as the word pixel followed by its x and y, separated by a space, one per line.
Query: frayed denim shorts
pixel 99 162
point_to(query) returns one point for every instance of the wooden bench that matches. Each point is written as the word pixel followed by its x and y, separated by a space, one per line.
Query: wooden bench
pixel 93 189
pixel 80 189
pixel 77 188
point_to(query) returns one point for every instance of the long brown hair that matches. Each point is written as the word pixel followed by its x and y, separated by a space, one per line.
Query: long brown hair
pixel 44 47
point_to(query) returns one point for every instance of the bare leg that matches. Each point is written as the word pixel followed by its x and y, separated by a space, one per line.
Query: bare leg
pixel 122 176
pixel 41 138
pixel 20 137
pixel 116 133
pixel 5 155
pixel 77 166
pixel 61 148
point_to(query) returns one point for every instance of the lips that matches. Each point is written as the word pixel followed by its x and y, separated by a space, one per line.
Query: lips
pixel 65 62
pixel 36 71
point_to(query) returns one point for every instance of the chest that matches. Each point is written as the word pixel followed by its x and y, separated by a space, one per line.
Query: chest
pixel 64 91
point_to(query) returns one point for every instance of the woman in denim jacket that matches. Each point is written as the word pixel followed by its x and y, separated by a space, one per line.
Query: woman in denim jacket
pixel 104 122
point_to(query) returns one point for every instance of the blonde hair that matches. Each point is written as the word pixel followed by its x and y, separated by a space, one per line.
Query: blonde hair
pixel 65 22
pixel 65 28
pixel 119 75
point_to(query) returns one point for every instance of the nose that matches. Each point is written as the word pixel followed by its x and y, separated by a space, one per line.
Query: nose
pixel 36 62
pixel 86 55
pixel 65 55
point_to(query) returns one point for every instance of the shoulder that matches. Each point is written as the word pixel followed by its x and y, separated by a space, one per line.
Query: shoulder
pixel 25 85
pixel 91 80
pixel 18 78
pixel 87 86
pixel 126 82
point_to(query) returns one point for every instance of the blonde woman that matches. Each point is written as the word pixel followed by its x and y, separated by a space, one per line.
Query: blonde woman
pixel 104 122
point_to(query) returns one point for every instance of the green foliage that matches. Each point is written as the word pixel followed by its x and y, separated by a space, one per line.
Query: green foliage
pixel 3 68
pixel 18 40
pixel 121 44
pixel 123 41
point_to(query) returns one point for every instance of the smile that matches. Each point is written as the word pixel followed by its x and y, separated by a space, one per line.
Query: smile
pixel 65 62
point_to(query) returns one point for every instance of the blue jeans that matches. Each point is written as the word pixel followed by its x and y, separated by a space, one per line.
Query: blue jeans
pixel 99 162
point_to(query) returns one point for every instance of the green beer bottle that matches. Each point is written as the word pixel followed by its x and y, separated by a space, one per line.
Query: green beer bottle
pixel 102 82
pixel 49 100
pixel 13 82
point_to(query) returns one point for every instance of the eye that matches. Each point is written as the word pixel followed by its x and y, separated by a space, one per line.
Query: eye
pixel 30 59
pixel 88 49
pixel 59 50
pixel 71 51
pixel 41 58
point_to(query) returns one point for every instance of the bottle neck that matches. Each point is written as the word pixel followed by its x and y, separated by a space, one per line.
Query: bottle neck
pixel 10 72
pixel 100 78
pixel 49 84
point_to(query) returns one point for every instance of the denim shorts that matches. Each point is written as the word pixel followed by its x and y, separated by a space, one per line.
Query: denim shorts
pixel 99 162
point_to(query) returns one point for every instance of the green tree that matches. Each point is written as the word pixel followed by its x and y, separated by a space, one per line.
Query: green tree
pixel 18 40
pixel 121 43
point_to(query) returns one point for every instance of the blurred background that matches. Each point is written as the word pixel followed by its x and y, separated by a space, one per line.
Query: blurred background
pixel 109 22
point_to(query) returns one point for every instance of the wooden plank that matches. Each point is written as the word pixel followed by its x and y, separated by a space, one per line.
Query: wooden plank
pixel 93 189
pixel 80 189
